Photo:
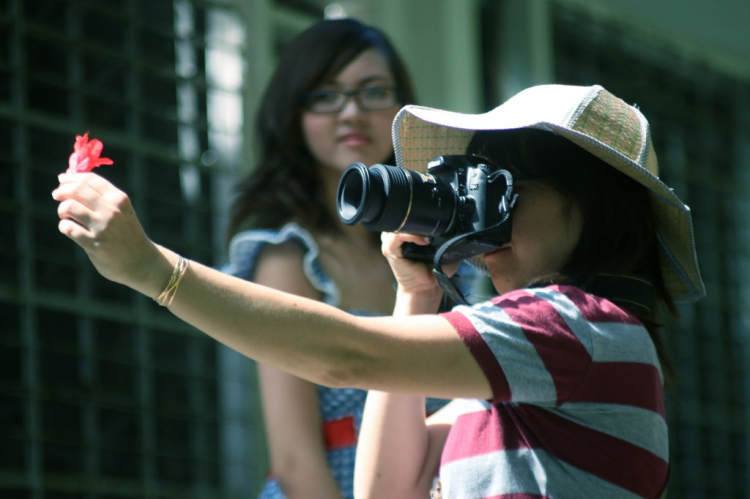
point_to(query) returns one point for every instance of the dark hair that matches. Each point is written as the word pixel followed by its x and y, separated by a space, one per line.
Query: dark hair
pixel 285 183
pixel 619 230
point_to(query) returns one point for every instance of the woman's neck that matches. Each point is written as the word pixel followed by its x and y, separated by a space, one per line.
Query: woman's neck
pixel 356 233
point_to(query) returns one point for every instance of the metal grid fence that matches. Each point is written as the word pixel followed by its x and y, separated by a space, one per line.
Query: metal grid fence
pixel 102 393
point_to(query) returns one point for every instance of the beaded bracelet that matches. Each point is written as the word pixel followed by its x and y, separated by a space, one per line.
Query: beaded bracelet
pixel 165 297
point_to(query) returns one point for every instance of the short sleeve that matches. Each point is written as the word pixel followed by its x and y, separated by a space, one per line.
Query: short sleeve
pixel 245 249
pixel 533 345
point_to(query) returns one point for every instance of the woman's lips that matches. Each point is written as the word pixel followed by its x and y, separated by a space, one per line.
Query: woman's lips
pixel 354 139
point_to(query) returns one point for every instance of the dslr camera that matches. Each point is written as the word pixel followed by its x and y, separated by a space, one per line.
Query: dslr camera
pixel 462 204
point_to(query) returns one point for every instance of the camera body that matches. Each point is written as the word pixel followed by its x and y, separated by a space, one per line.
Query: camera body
pixel 460 200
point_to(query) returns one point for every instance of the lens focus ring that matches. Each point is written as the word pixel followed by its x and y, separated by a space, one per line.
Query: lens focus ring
pixel 397 189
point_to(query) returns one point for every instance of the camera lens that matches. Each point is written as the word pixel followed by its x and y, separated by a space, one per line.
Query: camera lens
pixel 390 199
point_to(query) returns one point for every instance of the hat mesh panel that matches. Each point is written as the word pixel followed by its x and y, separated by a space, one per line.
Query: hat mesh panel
pixel 612 122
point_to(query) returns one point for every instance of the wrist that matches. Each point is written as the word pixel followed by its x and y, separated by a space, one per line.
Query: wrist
pixel 410 302
pixel 157 272
pixel 165 298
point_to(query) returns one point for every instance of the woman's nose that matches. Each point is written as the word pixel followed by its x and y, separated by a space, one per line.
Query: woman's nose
pixel 351 109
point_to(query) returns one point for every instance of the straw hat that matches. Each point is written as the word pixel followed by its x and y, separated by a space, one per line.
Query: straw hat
pixel 590 117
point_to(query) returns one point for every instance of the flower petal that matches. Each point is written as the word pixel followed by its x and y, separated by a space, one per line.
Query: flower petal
pixel 86 154
pixel 84 165
pixel 95 148
pixel 73 162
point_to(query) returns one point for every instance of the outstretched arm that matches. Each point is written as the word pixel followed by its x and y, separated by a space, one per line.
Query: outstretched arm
pixel 418 355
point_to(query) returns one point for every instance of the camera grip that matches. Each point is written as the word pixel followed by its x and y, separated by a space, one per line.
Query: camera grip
pixel 418 252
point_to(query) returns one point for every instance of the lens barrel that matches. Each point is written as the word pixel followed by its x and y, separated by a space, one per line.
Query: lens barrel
pixel 390 199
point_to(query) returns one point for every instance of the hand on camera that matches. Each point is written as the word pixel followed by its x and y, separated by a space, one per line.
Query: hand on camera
pixel 413 277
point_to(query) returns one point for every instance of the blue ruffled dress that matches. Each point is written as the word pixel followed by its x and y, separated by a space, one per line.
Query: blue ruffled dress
pixel 336 404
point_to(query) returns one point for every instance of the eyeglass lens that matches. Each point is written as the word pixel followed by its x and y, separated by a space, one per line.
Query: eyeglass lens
pixel 332 101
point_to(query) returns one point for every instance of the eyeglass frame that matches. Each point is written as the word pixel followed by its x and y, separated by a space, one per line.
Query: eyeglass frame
pixel 349 94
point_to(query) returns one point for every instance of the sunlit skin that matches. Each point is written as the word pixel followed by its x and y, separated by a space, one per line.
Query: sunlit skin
pixel 337 140
pixel 546 230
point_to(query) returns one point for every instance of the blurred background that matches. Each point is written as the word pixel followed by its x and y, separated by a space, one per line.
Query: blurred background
pixel 103 395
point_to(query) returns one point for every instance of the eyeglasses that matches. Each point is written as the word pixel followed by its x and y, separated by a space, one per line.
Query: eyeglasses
pixel 367 99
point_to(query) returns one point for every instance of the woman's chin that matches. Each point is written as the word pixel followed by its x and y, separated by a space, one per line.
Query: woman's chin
pixel 496 251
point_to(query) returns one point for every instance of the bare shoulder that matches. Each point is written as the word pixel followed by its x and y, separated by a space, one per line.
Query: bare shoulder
pixel 280 266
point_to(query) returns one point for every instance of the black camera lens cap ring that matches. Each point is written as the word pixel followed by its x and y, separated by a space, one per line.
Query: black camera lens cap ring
pixel 354 178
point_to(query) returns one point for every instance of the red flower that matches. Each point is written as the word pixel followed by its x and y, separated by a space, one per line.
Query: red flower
pixel 85 155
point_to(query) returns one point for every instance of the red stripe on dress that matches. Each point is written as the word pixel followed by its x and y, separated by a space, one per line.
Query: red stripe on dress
pixel 508 428
pixel 625 383
pixel 483 355
pixel 339 434
pixel 562 353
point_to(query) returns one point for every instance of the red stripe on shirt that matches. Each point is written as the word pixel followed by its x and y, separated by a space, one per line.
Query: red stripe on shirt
pixel 512 427
pixel 482 353
pixel 490 430
pixel 615 460
pixel 626 383
pixel 562 353
pixel 596 309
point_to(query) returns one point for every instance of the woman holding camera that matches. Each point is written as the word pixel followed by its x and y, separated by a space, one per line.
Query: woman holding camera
pixel 562 372
pixel 330 103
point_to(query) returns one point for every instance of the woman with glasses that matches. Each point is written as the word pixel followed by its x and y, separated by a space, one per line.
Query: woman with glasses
pixel 330 103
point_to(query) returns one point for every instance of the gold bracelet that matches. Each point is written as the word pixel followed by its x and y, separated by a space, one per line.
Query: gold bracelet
pixel 165 297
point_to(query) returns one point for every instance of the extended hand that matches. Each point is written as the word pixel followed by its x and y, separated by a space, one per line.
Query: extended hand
pixel 100 218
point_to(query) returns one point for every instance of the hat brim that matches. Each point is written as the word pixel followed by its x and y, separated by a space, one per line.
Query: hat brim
pixel 421 133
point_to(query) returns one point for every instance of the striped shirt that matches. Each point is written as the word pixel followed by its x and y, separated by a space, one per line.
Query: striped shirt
pixel 578 403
